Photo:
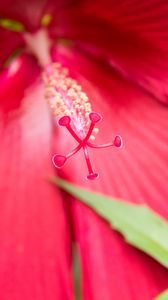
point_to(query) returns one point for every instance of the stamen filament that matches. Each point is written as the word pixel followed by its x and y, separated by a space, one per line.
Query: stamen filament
pixel 74 151
pixel 117 142
pixel 87 159
pixel 92 125
pixel 91 175
pixel 100 146
pixel 72 132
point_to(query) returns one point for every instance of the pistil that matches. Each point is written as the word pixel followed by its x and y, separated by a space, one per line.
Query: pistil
pixel 59 160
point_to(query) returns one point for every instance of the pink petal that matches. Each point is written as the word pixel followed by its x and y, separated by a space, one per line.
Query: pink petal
pixel 131 35
pixel 34 235
pixel 137 173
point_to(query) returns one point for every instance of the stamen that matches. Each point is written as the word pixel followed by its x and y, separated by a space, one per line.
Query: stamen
pixel 72 106
pixel 66 98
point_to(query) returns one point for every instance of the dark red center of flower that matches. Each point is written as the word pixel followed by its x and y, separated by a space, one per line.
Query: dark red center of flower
pixel 59 160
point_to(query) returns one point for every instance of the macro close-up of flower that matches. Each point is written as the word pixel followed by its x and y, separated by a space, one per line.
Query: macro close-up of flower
pixel 83 100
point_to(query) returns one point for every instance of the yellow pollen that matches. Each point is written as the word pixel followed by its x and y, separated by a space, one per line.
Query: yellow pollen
pixel 66 97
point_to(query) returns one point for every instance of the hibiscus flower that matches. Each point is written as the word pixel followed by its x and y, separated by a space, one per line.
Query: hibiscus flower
pixel 117 52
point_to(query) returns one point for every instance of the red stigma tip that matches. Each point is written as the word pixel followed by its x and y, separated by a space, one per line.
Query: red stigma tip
pixel 118 141
pixel 59 160
pixel 92 176
pixel 95 117
pixel 64 121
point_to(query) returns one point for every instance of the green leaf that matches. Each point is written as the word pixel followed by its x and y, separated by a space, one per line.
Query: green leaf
pixel 12 25
pixel 46 19
pixel 139 225
pixel 76 273
pixel 163 296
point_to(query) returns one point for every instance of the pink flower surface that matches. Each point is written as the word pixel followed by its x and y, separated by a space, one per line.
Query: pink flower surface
pixel 117 51
pixel 35 235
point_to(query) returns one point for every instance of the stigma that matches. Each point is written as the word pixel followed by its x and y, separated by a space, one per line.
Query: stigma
pixel 73 109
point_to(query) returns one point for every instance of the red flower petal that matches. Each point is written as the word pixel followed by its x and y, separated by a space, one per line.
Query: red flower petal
pixel 10 41
pixel 30 12
pixel 149 19
pixel 131 36
pixel 136 173
pixel 34 235
pixel 14 80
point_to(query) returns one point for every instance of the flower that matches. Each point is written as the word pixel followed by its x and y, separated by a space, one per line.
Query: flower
pixel 119 56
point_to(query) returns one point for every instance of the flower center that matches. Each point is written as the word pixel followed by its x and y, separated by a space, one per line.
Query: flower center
pixel 65 97
pixel 68 102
